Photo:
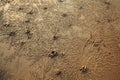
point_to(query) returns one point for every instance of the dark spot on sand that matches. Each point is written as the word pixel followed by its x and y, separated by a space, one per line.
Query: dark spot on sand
pixel 64 15
pixel 45 8
pixel 80 7
pixel 58 73
pixel 53 54
pixel 29 34
pixel 55 37
pixel 84 69
pixel 27 21
pixel 12 34
pixel 60 0
pixel 96 45
pixel 107 3
pixel 7 25
pixel 20 8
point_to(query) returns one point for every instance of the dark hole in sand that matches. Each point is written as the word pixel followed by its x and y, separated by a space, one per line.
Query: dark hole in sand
pixel 29 34
pixel 55 37
pixel 58 73
pixel 20 8
pixel 53 54
pixel 84 69
pixel 45 8
pixel 64 15
pixel 12 34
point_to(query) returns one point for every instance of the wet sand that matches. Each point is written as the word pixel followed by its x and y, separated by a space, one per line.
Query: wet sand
pixel 59 39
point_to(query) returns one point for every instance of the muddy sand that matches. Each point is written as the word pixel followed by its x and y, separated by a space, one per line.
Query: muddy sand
pixel 59 39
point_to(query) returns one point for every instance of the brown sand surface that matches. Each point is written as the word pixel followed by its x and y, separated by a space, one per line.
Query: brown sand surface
pixel 59 39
